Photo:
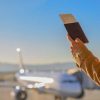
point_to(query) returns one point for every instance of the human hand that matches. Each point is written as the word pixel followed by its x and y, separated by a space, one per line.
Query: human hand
pixel 78 49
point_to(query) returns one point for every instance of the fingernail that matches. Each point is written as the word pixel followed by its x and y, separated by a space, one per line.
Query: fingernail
pixel 77 39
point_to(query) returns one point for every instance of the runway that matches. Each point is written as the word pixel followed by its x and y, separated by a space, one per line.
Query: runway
pixel 8 94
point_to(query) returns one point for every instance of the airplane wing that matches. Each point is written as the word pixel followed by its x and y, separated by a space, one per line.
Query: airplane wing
pixel 34 81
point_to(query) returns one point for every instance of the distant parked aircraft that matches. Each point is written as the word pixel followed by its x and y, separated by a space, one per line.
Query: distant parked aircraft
pixel 61 85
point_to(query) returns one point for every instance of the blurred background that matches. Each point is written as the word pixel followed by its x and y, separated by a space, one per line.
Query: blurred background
pixel 36 28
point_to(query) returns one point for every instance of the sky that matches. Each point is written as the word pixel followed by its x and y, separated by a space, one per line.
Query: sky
pixel 36 28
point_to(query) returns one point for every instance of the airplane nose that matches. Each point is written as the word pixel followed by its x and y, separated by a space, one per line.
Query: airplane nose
pixel 72 89
pixel 69 86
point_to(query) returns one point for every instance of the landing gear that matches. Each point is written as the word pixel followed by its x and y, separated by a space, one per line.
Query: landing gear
pixel 60 98
pixel 20 93
pixel 81 95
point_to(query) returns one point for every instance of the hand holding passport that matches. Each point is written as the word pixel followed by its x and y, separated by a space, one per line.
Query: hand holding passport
pixel 77 38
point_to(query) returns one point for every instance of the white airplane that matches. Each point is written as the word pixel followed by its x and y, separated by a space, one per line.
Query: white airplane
pixel 61 85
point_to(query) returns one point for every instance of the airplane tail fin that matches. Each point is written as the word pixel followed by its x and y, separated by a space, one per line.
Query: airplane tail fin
pixel 21 65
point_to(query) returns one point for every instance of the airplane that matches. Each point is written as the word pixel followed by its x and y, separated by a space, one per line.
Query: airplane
pixel 61 85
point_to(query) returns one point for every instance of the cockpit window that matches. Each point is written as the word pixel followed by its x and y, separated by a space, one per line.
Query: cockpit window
pixel 69 81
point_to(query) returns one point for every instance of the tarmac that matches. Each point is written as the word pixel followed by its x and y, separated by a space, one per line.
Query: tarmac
pixel 7 93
